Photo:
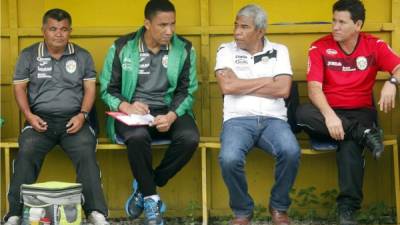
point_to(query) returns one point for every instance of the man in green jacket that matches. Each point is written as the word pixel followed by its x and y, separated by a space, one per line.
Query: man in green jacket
pixel 152 71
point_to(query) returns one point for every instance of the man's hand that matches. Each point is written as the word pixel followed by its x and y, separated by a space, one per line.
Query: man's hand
pixel 164 122
pixel 388 97
pixel 137 107
pixel 226 78
pixel 75 123
pixel 335 127
pixel 36 122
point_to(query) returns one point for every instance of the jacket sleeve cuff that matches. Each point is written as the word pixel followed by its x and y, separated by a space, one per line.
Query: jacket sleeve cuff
pixel 115 105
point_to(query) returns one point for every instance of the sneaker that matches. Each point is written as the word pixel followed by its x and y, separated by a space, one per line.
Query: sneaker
pixel 96 218
pixel 152 214
pixel 373 140
pixel 135 204
pixel 13 220
pixel 346 217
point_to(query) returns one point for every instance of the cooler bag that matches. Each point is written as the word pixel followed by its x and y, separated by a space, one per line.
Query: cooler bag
pixel 60 202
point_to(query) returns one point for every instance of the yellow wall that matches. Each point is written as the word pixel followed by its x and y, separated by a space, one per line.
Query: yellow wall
pixel 207 23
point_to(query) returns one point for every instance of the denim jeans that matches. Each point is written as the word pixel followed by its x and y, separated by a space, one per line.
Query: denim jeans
pixel 272 135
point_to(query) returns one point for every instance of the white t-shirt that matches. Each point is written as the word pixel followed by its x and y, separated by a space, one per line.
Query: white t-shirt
pixel 273 60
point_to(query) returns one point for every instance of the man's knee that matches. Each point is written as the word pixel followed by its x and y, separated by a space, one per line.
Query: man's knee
pixel 137 136
pixel 291 153
pixel 26 153
pixel 228 160
pixel 87 154
pixel 191 139
pixel 303 112
pixel 138 142
pixel 27 148
pixel 87 140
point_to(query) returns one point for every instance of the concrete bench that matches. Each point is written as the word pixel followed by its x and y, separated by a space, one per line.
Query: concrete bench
pixel 207 144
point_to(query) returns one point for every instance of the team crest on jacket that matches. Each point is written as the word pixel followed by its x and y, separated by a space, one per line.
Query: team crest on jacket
pixel 127 64
pixel 362 63
pixel 164 61
pixel 70 66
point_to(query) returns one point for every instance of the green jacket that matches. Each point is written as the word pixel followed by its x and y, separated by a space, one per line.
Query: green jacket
pixel 120 73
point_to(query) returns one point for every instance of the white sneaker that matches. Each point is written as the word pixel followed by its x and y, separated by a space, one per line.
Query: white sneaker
pixel 13 220
pixel 97 218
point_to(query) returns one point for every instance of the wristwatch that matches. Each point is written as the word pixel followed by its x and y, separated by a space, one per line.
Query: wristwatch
pixel 394 80
pixel 85 114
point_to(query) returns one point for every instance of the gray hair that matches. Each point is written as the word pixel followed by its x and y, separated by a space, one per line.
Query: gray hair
pixel 257 13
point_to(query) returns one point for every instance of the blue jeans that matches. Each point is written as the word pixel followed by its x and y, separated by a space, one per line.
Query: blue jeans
pixel 272 135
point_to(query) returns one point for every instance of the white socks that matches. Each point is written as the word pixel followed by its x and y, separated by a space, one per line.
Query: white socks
pixel 156 198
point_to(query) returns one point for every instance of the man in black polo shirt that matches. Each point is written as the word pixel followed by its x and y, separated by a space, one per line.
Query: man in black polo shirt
pixel 54 86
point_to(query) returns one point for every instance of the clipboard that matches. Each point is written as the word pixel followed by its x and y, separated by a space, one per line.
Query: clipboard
pixel 132 119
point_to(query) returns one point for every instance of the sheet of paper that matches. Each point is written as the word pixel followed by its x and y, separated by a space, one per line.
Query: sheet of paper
pixel 132 119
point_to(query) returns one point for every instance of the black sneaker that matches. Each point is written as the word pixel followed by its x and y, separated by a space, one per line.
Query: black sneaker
pixel 373 140
pixel 346 217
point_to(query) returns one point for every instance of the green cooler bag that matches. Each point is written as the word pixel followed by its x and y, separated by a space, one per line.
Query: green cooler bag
pixel 60 202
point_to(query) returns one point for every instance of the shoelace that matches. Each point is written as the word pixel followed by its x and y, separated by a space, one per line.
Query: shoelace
pixel 375 137
pixel 138 199
pixel 151 209
pixel 347 214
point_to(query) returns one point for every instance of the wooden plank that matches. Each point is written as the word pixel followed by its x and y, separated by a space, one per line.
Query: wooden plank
pixel 396 179
pixel 204 187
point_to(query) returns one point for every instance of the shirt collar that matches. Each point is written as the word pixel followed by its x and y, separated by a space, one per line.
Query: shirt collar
pixel 143 47
pixel 43 51
pixel 266 47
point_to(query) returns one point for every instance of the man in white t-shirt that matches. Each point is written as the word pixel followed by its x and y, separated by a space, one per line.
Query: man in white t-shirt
pixel 255 76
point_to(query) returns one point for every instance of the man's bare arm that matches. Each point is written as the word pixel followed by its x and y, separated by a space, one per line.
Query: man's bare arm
pixel 387 99
pixel 89 96
pixel 21 96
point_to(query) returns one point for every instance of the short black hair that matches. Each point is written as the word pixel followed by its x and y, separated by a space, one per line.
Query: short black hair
pixel 354 7
pixel 57 14
pixel 154 6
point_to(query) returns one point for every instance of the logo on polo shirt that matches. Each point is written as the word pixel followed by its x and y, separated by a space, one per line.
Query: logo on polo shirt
pixel 164 61
pixel 362 63
pixel 70 66
pixel 330 51
pixel 43 61
pixel 334 63
pixel 241 59
pixel 143 56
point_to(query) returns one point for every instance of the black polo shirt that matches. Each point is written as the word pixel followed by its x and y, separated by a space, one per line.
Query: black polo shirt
pixel 152 81
pixel 55 87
